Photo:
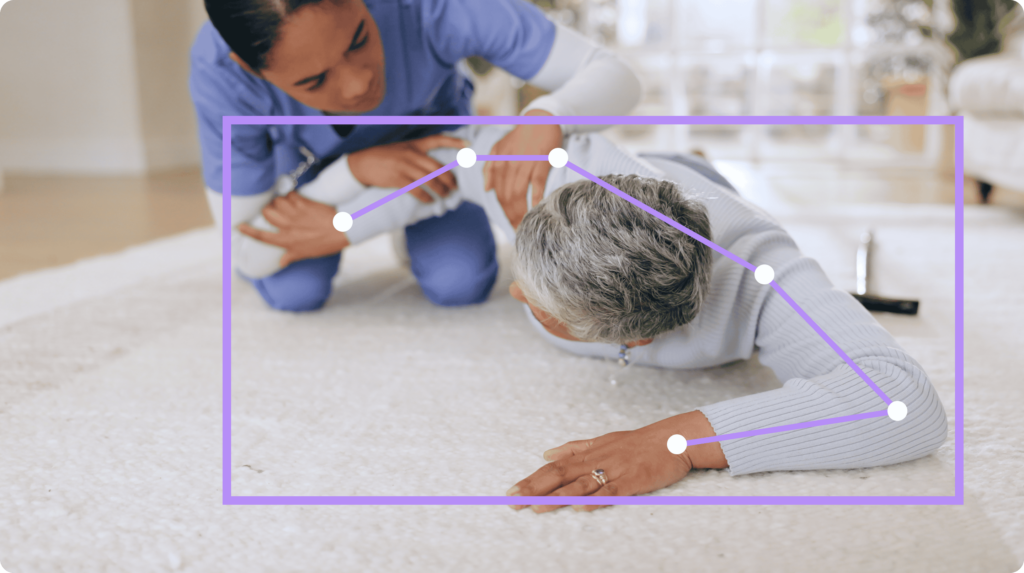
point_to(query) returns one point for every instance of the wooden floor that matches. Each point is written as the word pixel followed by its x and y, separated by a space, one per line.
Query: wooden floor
pixel 47 221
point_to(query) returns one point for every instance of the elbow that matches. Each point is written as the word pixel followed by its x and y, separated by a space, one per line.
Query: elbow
pixel 935 429
pixel 926 425
pixel 254 259
pixel 626 88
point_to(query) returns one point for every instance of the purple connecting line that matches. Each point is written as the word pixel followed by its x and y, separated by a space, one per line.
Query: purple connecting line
pixel 512 157
pixel 671 222
pixel 403 190
pixel 830 342
pixel 697 237
pixel 788 427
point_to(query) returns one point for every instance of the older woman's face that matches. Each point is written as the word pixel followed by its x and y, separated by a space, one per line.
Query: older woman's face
pixel 552 324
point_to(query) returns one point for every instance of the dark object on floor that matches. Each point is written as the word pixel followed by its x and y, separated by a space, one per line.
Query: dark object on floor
pixel 979 26
pixel 985 189
pixel 872 302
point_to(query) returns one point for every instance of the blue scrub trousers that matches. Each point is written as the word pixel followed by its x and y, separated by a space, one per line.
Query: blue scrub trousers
pixel 452 257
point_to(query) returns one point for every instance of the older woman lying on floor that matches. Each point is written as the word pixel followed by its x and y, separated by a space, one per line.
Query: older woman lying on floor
pixel 597 273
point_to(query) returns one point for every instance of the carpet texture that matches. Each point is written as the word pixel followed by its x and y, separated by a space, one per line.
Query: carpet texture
pixel 110 421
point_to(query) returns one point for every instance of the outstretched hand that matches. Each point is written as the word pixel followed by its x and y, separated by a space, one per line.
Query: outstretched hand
pixel 510 179
pixel 305 228
pixel 634 462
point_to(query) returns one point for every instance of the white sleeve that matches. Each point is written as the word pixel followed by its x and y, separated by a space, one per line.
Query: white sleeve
pixel 584 79
pixel 334 184
pixel 399 213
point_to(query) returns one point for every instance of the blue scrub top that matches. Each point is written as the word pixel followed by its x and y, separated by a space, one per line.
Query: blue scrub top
pixel 422 39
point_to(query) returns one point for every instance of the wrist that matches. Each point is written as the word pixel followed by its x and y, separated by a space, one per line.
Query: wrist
pixel 547 105
pixel 354 162
pixel 694 425
pixel 543 113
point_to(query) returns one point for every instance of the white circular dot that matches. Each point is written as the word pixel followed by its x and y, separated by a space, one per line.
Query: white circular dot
pixel 897 410
pixel 677 444
pixel 342 221
pixel 764 274
pixel 558 157
pixel 466 157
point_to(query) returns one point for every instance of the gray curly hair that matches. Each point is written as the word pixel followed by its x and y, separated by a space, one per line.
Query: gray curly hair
pixel 608 270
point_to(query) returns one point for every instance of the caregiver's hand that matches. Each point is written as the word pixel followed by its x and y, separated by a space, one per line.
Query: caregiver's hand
pixel 399 164
pixel 305 228
pixel 509 179
pixel 634 462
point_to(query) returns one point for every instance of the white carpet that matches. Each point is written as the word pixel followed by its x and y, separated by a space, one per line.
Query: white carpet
pixel 110 422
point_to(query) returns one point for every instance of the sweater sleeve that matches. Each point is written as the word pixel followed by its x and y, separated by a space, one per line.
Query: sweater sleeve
pixel 584 79
pixel 819 384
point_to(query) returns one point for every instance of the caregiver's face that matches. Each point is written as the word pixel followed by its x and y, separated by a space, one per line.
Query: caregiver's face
pixel 329 56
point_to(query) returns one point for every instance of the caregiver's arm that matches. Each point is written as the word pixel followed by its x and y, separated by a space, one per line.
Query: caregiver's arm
pixel 218 88
pixel 516 36
pixel 818 384
pixel 257 255
pixel 304 228
pixel 584 79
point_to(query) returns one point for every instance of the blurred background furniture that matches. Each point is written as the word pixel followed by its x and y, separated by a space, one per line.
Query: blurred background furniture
pixel 779 57
pixel 988 90
pixel 98 146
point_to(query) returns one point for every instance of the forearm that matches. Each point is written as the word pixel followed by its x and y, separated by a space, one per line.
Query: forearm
pixel 252 258
pixel 396 214
pixel 256 259
pixel 844 445
pixel 820 385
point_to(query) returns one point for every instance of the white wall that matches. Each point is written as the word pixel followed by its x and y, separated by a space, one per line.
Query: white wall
pixel 164 30
pixel 96 86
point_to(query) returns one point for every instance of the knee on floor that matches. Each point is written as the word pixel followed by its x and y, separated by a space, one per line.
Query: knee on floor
pixel 295 295
pixel 457 284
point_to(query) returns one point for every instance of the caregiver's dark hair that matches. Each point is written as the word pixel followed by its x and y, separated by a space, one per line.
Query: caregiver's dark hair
pixel 250 26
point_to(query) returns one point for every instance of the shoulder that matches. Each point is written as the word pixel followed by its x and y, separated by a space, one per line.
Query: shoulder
pixel 209 48
pixel 215 79
pixel 479 17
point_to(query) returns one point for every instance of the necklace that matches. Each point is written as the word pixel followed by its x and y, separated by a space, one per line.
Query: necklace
pixel 623 355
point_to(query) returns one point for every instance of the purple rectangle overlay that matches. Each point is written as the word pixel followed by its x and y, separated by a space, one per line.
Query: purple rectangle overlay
pixel 956 499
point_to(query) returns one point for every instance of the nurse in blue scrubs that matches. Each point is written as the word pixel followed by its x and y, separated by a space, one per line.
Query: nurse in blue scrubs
pixel 381 57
